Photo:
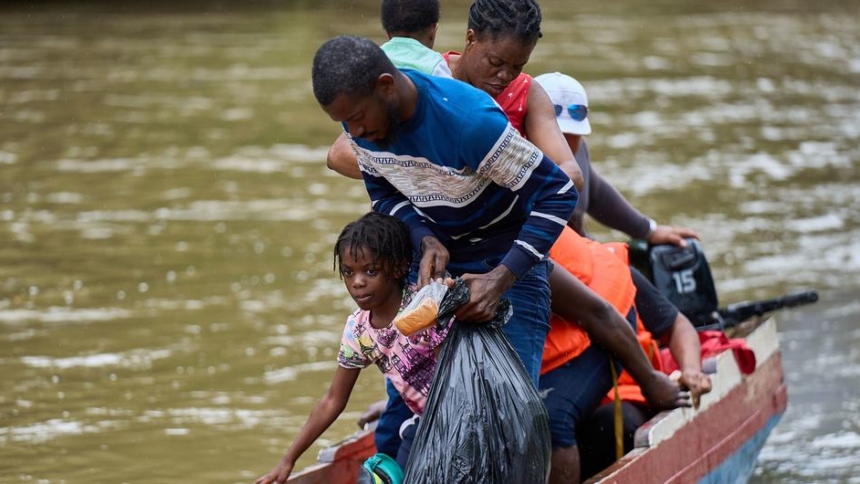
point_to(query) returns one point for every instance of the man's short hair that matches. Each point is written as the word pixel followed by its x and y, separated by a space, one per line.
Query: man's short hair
pixel 410 16
pixel 348 65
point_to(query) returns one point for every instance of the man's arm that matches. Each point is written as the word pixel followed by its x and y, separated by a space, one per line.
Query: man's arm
pixel 683 342
pixel 549 195
pixel 574 301
pixel 341 158
pixel 385 198
pixel 323 415
pixel 663 320
pixel 611 209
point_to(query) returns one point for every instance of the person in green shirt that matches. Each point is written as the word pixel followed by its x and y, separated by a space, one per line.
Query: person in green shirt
pixel 411 28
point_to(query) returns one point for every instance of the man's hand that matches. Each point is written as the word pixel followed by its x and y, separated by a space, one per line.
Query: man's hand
pixel 665 234
pixel 664 393
pixel 373 412
pixel 486 290
pixel 434 260
pixel 697 383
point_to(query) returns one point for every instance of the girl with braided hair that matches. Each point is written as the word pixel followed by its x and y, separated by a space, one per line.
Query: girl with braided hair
pixel 372 255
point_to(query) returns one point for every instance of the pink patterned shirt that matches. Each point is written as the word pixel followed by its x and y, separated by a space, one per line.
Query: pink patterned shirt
pixel 408 361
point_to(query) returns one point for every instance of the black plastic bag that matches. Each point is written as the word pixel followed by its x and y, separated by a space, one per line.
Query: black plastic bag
pixel 484 422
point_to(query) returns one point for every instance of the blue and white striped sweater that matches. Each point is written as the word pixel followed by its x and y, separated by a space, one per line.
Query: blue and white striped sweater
pixel 460 172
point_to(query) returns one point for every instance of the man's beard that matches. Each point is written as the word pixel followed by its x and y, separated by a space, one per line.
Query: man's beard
pixel 393 129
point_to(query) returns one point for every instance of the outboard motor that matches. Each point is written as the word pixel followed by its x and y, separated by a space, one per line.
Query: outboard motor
pixel 683 275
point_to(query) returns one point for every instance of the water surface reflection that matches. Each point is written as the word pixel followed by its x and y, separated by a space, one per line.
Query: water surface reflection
pixel 168 309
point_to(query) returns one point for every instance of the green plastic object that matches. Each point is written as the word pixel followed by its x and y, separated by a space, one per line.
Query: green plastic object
pixel 383 469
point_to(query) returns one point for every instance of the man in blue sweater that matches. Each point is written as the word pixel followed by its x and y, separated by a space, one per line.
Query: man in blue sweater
pixel 481 202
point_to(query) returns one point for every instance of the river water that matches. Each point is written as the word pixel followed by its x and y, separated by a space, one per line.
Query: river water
pixel 168 308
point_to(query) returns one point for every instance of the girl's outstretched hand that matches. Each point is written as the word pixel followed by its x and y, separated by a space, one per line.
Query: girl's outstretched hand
pixel 277 475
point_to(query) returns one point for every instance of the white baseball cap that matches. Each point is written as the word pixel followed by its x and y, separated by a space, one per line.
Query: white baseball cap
pixel 564 92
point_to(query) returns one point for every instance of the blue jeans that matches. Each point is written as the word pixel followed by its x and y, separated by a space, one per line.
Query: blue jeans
pixel 387 434
pixel 529 325
pixel 574 390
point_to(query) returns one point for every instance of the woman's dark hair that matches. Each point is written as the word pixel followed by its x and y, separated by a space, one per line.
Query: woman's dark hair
pixel 519 18
pixel 409 16
pixel 385 238
pixel 348 65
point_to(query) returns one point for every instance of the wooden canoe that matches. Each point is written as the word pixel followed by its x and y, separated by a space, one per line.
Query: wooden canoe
pixel 717 443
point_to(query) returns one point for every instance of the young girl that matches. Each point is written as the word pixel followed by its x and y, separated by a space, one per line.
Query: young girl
pixel 373 255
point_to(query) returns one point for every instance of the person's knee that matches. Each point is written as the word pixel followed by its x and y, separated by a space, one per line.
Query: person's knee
pixel 564 465
pixel 562 424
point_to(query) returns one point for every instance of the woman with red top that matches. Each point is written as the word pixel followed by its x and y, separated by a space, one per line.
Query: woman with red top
pixel 500 38
pixel 497 48
pixel 575 375
pixel 499 41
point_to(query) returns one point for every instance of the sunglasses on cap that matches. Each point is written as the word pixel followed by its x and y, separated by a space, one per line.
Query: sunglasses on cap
pixel 577 111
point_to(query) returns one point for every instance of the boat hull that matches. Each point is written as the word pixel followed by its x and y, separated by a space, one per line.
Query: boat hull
pixel 718 443
pixel 721 441
pixel 339 464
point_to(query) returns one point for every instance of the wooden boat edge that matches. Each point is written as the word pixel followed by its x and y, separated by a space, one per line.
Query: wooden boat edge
pixel 742 409
pixel 761 394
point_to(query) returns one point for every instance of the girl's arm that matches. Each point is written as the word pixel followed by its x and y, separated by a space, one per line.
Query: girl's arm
pixel 574 301
pixel 323 415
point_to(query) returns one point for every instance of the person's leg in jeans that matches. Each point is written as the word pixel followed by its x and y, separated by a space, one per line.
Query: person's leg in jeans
pixel 387 434
pixel 570 393
pixel 407 434
pixel 529 325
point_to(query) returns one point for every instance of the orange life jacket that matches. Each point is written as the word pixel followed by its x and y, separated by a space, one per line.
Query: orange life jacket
pixel 628 389
pixel 606 274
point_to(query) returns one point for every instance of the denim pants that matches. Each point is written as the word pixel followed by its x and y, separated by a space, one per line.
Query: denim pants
pixel 387 434
pixel 575 389
pixel 529 325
